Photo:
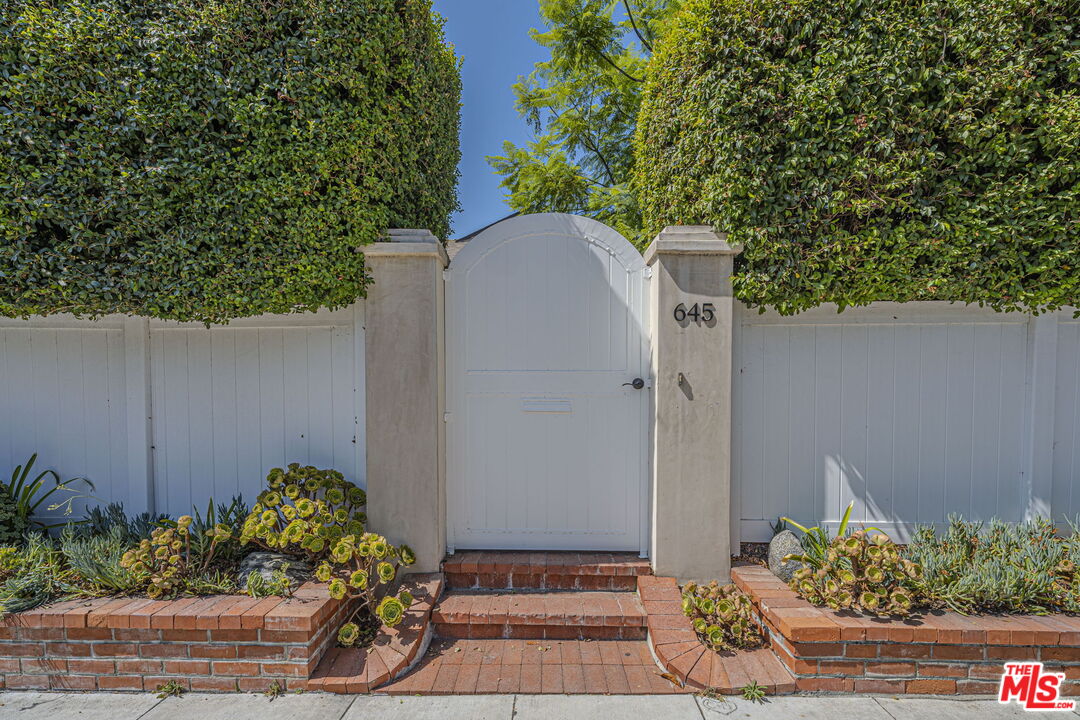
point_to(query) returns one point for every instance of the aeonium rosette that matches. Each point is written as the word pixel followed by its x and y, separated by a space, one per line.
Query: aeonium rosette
pixel 319 514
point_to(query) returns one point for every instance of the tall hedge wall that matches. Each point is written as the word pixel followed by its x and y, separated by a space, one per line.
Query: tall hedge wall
pixel 212 159
pixel 874 149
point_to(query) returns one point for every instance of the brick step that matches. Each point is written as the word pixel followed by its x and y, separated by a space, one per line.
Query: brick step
pixel 556 615
pixel 544 570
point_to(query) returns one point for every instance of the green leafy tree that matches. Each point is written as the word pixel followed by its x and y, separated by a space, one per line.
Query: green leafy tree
pixel 868 151
pixel 196 160
pixel 582 104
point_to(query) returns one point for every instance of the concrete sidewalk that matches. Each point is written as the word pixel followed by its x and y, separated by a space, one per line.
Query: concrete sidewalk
pixel 102 706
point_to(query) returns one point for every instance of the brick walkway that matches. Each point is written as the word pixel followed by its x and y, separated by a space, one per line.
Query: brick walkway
pixel 535 666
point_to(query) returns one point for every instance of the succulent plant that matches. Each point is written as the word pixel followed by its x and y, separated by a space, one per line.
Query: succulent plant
pixel 863 571
pixel 348 634
pixel 13 525
pixel 319 514
pixel 165 560
pixel 998 567
pixel 722 616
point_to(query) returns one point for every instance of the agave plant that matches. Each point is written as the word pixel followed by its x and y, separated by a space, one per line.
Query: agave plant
pixel 24 494
pixel 816 541
pixel 722 616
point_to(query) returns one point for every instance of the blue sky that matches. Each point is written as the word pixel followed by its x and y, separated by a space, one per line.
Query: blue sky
pixel 493 38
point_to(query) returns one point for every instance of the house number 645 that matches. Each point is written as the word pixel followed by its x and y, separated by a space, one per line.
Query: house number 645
pixel 699 313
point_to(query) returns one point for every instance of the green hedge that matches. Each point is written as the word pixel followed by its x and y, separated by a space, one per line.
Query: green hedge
pixel 212 159
pixel 871 150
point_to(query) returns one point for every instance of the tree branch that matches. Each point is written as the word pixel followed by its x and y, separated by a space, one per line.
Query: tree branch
pixel 612 63
pixel 630 14
pixel 603 161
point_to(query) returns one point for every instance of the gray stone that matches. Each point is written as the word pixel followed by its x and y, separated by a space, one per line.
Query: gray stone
pixel 236 706
pixel 445 707
pixel 607 707
pixel 784 543
pixel 92 706
pixel 265 563
pixel 798 708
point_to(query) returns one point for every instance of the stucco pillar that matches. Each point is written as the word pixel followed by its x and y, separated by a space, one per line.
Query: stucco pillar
pixel 692 358
pixel 404 358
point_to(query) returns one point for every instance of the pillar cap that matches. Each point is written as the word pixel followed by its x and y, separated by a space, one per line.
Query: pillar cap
pixel 406 242
pixel 690 240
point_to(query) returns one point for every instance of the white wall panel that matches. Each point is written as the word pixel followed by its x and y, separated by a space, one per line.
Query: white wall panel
pixel 226 403
pixel 911 412
pixel 231 402
pixel 1066 462
pixel 62 396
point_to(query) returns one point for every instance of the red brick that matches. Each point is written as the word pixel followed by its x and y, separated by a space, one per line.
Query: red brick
pixel 213 684
pixel 975 687
pixel 72 682
pixel 138 635
pixel 120 682
pixel 24 649
pixel 230 636
pixel 1011 652
pixel 239 668
pixel 910 650
pixel 262 652
pixel 92 667
pixel 187 667
pixel 98 617
pixel 942 670
pixel 891 669
pixel 32 666
pixel 854 650
pixel 153 682
pixel 68 649
pixel 9 665
pixel 51 633
pixel 95 633
pixel 199 636
pixel 27 682
pixel 164 618
pixel 988 671
pixel 958 652
pixel 840 667
pixel 216 652
pixel 819 649
pixel 163 650
pixel 254 684
pixel 138 667
pixel 931 687
pixel 300 670
pixel 1064 654
pixel 878 685
pixel 105 649
pixel 825 684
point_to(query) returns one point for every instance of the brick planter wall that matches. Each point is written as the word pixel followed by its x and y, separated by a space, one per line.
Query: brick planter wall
pixel 215 643
pixel 941 653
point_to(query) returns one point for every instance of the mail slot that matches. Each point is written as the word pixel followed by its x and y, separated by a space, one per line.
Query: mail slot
pixel 546 405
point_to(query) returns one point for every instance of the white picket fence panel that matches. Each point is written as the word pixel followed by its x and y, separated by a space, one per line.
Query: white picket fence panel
pixel 226 403
pixel 913 411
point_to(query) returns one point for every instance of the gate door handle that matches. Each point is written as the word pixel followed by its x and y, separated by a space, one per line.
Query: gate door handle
pixel 637 384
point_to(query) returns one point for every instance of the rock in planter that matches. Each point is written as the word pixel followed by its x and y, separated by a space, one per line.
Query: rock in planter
pixel 784 543
pixel 265 563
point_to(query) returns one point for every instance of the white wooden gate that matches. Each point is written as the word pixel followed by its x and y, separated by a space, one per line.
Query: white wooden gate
pixel 547 434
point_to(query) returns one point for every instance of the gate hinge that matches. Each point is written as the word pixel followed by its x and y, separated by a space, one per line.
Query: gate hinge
pixel 446 274
pixel 647 273
pixel 446 417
